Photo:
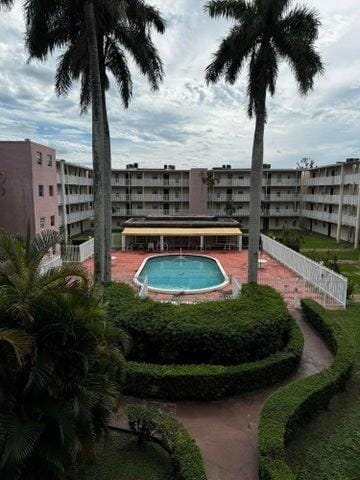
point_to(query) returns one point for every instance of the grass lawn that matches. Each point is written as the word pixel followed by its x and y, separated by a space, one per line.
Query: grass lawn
pixel 328 448
pixel 352 272
pixel 121 458
pixel 314 241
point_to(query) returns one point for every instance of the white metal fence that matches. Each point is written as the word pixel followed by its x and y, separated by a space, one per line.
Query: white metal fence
pixel 50 262
pixel 78 253
pixel 328 285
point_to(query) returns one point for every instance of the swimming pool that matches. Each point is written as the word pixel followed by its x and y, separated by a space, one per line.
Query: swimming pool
pixel 182 273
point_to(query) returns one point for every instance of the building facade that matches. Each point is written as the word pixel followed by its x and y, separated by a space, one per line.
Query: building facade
pixel 28 193
pixel 324 200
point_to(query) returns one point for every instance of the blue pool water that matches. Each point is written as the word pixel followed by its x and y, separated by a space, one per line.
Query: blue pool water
pixel 182 273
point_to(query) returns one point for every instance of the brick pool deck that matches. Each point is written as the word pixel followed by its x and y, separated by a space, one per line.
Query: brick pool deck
pixel 235 264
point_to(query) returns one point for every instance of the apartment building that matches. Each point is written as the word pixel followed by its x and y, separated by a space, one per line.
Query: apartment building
pixel 325 200
pixel 331 200
pixel 75 197
pixel 28 189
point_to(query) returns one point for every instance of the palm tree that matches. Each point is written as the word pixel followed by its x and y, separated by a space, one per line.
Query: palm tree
pixel 265 32
pixel 61 363
pixel 211 181
pixel 126 28
pixel 230 208
pixel 22 285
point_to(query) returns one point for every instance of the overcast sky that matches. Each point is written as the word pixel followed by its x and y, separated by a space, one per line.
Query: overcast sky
pixel 187 123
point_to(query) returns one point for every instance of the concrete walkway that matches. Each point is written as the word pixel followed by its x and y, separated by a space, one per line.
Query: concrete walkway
pixel 226 430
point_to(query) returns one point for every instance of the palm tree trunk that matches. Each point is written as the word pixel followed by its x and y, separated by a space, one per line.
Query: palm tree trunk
pixel 97 142
pixel 256 190
pixel 107 196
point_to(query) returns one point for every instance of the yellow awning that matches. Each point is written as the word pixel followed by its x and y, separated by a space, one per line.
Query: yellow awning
pixel 180 232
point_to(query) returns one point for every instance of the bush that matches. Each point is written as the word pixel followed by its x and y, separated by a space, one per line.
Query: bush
pixel 219 333
pixel 212 382
pixel 292 406
pixel 152 424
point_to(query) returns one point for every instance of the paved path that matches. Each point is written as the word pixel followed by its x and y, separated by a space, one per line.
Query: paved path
pixel 226 431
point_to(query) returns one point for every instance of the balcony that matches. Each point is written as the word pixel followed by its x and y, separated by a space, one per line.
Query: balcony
pixel 350 200
pixel 284 182
pixel 318 198
pixel 322 216
pixel 282 212
pixel 336 180
pixel 240 212
pixel 352 178
pixel 76 180
pixel 282 198
pixel 79 216
pixel 349 220
pixel 76 198
pixel 139 212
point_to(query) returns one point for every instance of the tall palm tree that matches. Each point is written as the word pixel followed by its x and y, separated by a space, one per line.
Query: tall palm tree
pixel 126 27
pixel 265 32
pixel 211 181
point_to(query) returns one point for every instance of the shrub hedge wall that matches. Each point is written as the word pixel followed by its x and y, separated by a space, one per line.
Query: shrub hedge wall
pixel 212 382
pixel 220 333
pixel 292 406
pixel 150 423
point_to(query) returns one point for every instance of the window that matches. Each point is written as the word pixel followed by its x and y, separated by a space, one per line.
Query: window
pixel 51 190
pixel 41 190
pixel 139 177
pixel 49 160
pixel 42 222
pixel 39 158
pixel 52 220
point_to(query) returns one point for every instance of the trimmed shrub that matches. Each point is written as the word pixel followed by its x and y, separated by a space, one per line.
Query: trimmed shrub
pixel 292 406
pixel 220 333
pixel 151 424
pixel 212 382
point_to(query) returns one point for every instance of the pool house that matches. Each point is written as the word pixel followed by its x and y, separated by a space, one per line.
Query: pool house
pixel 174 233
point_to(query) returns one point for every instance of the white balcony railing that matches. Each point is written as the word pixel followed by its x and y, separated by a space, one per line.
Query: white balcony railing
pixel 349 220
pixel 318 198
pixel 332 180
pixel 283 212
pixel 350 199
pixel 322 216
pixel 76 180
pixel 352 178
pixel 79 216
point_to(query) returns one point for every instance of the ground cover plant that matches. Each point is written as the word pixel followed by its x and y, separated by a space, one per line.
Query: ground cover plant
pixel 329 446
pixel 122 458
pixel 296 404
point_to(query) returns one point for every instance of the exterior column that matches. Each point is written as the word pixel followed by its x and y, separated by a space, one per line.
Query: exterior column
pixel 240 243
pixel 161 243
pixel 357 225
pixel 341 201
pixel 63 201
pixel 202 242
pixel 123 243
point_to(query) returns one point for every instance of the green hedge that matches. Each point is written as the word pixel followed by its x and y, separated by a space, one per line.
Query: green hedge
pixel 219 333
pixel 150 423
pixel 292 406
pixel 211 382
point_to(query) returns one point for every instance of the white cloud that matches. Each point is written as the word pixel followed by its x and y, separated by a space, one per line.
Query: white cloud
pixel 186 122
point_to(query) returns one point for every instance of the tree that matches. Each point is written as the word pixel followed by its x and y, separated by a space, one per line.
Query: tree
pixel 60 363
pixel 230 208
pixel 265 32
pixel 126 28
pixel 306 164
pixel 211 181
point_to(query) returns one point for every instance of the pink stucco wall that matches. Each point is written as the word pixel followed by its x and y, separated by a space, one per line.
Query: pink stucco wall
pixel 198 194
pixel 20 177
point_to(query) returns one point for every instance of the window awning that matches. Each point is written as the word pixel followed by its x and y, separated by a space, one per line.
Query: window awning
pixel 181 232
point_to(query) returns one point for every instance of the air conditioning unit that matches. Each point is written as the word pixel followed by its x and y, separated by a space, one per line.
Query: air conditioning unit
pixel 165 167
pixel 171 167
pixel 352 160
